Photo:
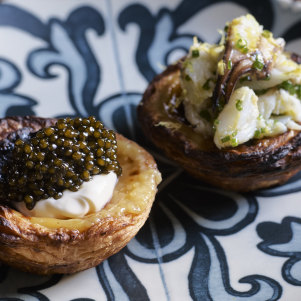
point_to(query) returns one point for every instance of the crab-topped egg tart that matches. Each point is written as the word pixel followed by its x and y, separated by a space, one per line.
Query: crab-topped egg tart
pixel 72 193
pixel 230 113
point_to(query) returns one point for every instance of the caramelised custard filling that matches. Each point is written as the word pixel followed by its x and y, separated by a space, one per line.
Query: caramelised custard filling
pixel 63 171
pixel 246 87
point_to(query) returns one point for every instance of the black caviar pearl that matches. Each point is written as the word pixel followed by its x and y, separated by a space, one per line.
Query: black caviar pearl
pixel 58 158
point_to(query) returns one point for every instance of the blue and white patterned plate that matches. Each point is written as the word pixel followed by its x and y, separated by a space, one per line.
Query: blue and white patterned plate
pixel 92 57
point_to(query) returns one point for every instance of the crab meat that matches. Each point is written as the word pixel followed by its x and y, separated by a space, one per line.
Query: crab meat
pixel 236 124
pixel 247 51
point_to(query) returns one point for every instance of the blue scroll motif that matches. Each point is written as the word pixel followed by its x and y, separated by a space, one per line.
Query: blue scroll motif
pixel 198 227
pixel 67 47
pixel 64 54
pixel 178 223
pixel 284 240
pixel 10 78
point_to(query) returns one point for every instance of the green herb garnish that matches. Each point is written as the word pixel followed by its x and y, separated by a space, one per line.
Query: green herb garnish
pixel 195 53
pixel 257 64
pixel 215 124
pixel 242 44
pixel 288 86
pixel 229 64
pixel 226 139
pixel 238 105
pixel 258 133
pixel 234 142
pixel 266 33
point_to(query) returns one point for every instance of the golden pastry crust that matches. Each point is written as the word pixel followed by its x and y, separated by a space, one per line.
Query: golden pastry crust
pixel 49 245
pixel 250 166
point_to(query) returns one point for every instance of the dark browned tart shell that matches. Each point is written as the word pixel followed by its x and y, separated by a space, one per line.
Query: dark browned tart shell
pixel 247 167
pixel 49 245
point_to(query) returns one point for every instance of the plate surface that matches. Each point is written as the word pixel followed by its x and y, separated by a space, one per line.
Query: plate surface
pixel 76 57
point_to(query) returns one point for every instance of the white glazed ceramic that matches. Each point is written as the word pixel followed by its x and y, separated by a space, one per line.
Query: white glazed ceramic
pixel 92 57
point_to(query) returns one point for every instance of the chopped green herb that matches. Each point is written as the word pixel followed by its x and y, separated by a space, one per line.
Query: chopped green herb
pixel 234 142
pixel 257 64
pixel 266 33
pixel 242 44
pixel 268 77
pixel 206 86
pixel 238 105
pixel 195 53
pixel 215 124
pixel 187 77
pixel 288 86
pixel 257 134
pixel 226 139
pixel 229 64
pixel 234 133
pixel 206 115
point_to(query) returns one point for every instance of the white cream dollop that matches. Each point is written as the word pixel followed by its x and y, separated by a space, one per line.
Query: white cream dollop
pixel 91 197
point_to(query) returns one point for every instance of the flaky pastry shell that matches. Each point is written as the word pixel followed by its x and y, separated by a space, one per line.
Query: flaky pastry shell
pixel 254 165
pixel 49 245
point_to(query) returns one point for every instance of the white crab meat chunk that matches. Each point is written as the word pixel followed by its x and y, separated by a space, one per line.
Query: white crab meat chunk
pixel 267 103
pixel 237 122
pixel 283 70
pixel 198 73
pixel 246 28
pixel 288 104
pixel 279 111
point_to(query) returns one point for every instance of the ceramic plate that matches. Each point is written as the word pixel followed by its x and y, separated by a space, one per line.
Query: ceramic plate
pixel 76 57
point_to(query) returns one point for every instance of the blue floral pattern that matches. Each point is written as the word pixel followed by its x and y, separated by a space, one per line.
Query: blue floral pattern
pixel 284 240
pixel 190 222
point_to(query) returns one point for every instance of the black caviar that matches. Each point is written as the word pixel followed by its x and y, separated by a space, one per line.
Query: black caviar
pixel 58 158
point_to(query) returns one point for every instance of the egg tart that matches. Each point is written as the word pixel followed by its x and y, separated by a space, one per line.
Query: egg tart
pixel 48 245
pixel 230 113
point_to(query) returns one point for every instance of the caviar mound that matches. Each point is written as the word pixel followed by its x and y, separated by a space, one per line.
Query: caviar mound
pixel 254 165
pixel 48 245
pixel 45 163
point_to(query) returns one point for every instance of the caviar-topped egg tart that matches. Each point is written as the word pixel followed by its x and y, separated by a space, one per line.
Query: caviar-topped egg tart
pixel 230 113
pixel 72 193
